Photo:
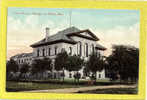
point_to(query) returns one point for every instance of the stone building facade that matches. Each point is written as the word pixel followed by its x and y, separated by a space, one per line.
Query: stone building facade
pixel 73 40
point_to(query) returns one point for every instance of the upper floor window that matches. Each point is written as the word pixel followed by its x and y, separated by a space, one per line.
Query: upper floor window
pixel 49 51
pixel 38 53
pixel 70 50
pixel 86 49
pixel 79 48
pixel 22 61
pixel 63 50
pixel 43 52
pixel 93 50
pixel 98 53
pixel 55 50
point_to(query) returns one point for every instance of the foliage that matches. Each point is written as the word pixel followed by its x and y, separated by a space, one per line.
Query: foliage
pixel 74 63
pixel 124 62
pixel 12 66
pixel 95 63
pixel 41 65
pixel 25 68
pixel 61 60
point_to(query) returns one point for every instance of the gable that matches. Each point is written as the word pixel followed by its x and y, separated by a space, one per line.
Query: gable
pixel 86 34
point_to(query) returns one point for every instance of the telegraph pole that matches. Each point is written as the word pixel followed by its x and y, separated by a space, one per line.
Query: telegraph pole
pixel 70 13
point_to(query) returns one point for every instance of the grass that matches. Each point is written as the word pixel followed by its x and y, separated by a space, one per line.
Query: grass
pixel 112 91
pixel 14 86
pixel 26 86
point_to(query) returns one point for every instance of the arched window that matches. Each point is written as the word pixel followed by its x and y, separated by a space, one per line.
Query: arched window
pixel 79 48
pixel 43 52
pixel 70 50
pixel 55 50
pixel 86 50
pixel 49 51
pixel 38 53
pixel 93 50
pixel 63 50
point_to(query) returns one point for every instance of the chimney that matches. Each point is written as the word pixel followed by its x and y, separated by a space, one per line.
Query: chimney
pixel 47 34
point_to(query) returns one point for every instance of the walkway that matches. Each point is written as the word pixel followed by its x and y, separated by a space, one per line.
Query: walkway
pixel 75 90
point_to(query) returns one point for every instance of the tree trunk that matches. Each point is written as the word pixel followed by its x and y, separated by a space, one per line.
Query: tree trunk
pixel 63 74
pixel 95 77
pixel 77 77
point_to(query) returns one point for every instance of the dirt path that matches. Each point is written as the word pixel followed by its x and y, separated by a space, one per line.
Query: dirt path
pixel 75 90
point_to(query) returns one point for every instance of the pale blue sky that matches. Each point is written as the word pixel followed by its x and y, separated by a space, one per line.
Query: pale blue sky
pixel 84 18
pixel 110 26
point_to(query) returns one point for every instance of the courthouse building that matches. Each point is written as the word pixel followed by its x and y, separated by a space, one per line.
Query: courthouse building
pixel 72 40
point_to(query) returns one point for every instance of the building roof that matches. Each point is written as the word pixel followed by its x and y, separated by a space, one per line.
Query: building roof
pixel 22 55
pixel 64 36
pixel 100 47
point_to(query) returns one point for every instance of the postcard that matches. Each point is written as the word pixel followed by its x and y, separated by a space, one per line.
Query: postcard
pixel 71 52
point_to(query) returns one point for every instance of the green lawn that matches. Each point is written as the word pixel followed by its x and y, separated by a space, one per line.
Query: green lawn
pixel 25 86
pixel 13 86
pixel 112 91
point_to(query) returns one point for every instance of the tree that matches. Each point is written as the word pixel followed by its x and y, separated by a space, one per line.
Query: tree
pixel 112 68
pixel 11 66
pixel 74 63
pixel 95 63
pixel 24 69
pixel 124 61
pixel 60 62
pixel 41 65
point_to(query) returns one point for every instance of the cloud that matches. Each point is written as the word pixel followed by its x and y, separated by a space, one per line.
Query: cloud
pixel 119 35
pixel 21 34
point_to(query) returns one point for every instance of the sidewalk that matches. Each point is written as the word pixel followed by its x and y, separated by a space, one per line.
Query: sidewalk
pixel 75 90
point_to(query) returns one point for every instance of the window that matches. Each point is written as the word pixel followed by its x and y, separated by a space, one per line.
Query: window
pixel 63 50
pixel 55 50
pixel 93 50
pixel 86 50
pixel 70 50
pixel 70 75
pixel 79 48
pixel 38 53
pixel 49 51
pixel 98 53
pixel 99 75
pixel 43 53
pixel 19 61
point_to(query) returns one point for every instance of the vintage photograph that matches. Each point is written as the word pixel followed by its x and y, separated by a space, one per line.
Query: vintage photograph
pixel 70 50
